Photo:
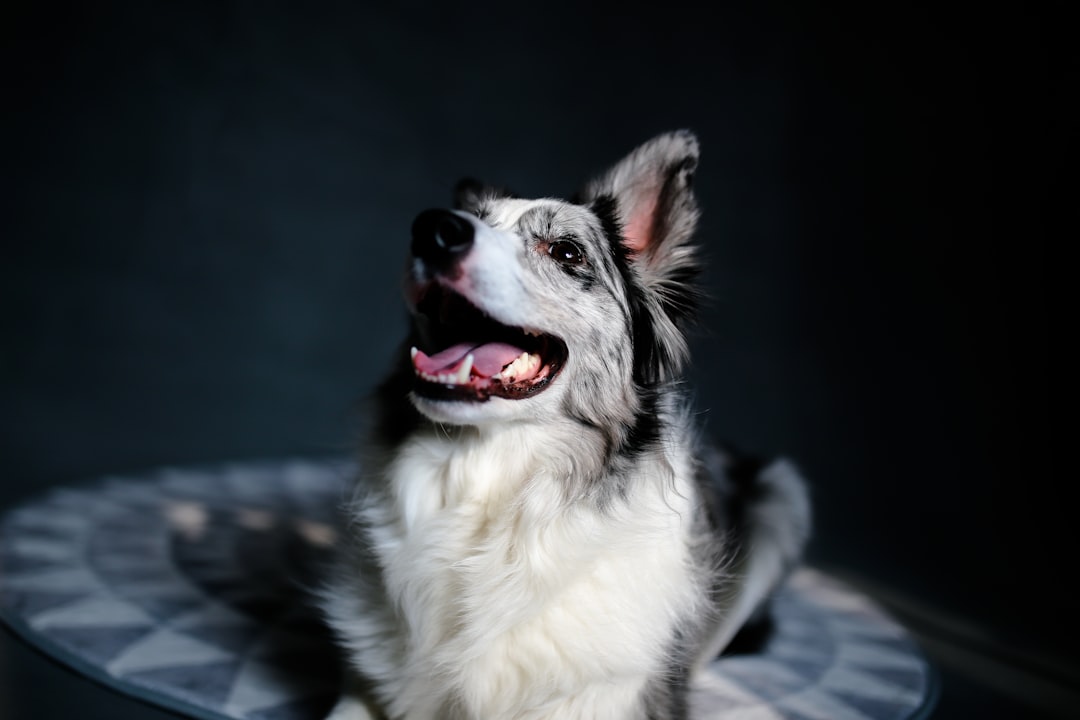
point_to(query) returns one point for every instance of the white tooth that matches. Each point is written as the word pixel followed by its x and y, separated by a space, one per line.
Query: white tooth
pixel 515 367
pixel 413 352
pixel 464 371
pixel 521 365
pixel 511 370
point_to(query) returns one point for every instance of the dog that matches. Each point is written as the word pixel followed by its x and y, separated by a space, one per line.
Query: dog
pixel 540 531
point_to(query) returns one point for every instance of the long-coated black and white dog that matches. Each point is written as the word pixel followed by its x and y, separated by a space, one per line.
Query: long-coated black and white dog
pixel 540 531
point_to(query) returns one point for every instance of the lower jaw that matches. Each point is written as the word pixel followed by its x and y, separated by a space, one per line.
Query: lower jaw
pixel 478 394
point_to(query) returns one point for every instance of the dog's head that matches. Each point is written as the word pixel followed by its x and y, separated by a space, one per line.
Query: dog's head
pixel 549 308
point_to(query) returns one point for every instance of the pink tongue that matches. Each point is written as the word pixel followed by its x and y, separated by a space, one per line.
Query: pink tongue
pixel 488 359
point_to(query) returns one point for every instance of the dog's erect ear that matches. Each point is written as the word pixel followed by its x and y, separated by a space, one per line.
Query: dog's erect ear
pixel 652 190
pixel 648 201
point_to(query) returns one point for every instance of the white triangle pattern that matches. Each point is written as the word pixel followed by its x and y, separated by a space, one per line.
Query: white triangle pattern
pixel 822 706
pixel 258 686
pixel 165 648
pixel 710 686
pixel 856 654
pixel 51 518
pixel 764 667
pixel 850 681
pixel 798 652
pixel 95 611
pixel 50 551
pixel 72 579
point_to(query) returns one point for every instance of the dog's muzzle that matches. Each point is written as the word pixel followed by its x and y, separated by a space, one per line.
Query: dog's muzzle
pixel 462 352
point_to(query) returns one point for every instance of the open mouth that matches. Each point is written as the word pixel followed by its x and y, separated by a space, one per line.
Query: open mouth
pixel 466 355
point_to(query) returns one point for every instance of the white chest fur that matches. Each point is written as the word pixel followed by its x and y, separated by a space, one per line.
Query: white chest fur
pixel 509 595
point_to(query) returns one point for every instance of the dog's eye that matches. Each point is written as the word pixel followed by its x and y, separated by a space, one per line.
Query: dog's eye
pixel 566 252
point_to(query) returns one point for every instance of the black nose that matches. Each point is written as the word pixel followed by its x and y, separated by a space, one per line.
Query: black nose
pixel 439 237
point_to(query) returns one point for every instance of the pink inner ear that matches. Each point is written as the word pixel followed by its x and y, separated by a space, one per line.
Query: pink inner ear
pixel 639 226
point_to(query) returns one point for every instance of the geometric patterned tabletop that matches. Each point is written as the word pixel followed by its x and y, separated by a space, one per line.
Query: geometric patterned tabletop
pixel 190 588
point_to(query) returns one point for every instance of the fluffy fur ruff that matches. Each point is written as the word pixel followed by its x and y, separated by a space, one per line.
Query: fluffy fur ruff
pixel 539 532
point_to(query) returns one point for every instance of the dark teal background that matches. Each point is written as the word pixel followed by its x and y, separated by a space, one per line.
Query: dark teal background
pixel 206 205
